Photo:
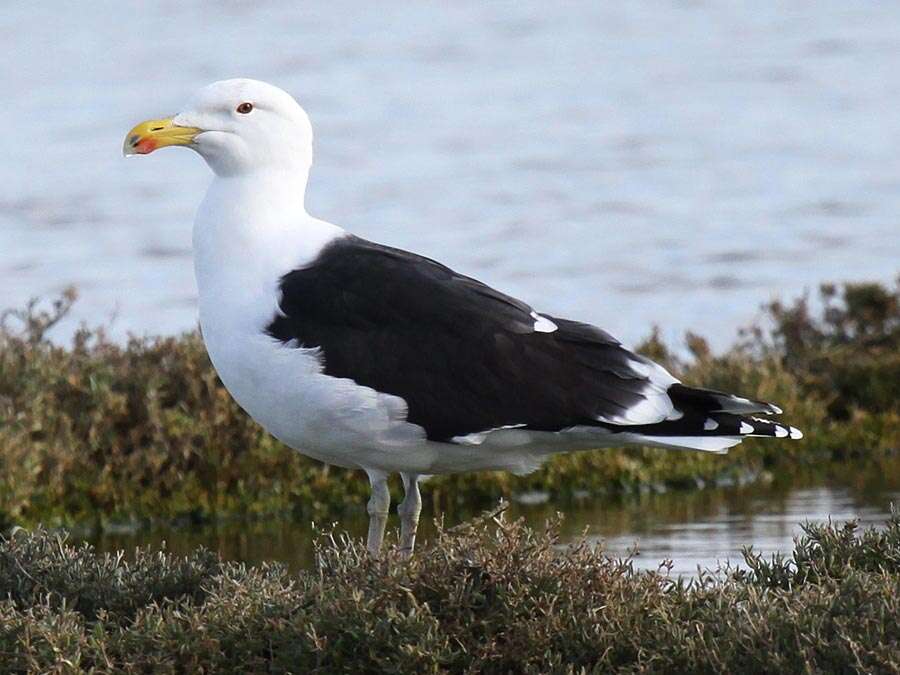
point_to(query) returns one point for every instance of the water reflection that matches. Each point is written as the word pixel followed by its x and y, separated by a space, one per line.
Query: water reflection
pixel 715 530
pixel 693 529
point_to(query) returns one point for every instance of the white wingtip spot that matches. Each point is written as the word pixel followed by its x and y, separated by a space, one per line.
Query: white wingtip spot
pixel 746 428
pixel 710 424
pixel 542 324
pixel 775 409
pixel 796 434
pixel 780 431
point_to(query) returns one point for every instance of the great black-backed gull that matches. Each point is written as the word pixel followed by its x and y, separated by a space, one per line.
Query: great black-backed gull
pixel 369 357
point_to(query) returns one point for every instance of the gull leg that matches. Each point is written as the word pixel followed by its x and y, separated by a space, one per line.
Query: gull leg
pixel 378 507
pixel 409 510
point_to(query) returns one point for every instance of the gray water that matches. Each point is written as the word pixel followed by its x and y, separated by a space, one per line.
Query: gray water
pixel 692 530
pixel 677 163
pixel 703 529
pixel 628 164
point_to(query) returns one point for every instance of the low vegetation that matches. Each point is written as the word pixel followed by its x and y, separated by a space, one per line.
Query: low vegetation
pixel 102 433
pixel 488 597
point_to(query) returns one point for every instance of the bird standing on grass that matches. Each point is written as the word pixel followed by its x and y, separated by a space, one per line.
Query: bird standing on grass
pixel 373 358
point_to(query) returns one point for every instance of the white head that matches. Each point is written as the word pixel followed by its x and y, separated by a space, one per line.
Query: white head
pixel 238 126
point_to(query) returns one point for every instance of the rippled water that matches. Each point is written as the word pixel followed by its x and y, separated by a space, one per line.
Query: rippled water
pixel 624 163
pixel 694 530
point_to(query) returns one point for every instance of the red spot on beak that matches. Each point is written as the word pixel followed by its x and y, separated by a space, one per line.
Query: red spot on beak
pixel 145 146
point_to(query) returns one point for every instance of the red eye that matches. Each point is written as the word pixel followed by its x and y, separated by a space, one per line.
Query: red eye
pixel 244 108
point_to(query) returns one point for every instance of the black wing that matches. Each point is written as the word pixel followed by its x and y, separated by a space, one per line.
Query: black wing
pixel 463 356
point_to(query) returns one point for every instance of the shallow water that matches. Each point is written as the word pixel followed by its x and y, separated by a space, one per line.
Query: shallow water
pixel 628 164
pixel 695 530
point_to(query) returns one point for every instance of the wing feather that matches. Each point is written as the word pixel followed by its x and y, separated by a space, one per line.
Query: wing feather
pixel 464 357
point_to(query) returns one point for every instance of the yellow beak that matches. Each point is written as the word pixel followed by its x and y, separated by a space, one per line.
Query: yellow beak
pixel 154 134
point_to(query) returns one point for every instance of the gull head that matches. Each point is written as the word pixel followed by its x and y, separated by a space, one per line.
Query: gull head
pixel 238 126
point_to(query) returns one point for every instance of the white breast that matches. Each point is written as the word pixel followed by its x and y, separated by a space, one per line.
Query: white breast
pixel 245 239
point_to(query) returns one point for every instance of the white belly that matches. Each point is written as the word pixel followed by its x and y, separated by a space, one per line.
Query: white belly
pixel 334 420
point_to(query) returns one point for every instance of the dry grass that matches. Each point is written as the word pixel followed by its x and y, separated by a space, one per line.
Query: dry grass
pixel 488 597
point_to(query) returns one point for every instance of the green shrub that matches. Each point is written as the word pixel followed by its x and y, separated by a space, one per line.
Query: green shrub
pixel 100 432
pixel 489 596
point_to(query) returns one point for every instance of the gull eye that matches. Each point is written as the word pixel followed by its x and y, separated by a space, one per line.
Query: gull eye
pixel 244 108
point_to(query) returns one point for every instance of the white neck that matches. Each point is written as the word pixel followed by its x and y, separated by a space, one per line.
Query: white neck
pixel 269 189
pixel 249 231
